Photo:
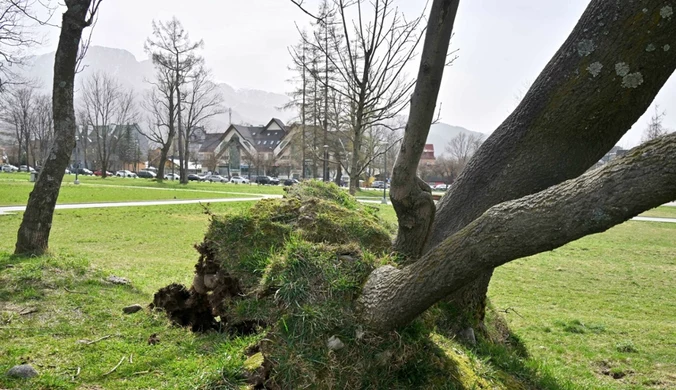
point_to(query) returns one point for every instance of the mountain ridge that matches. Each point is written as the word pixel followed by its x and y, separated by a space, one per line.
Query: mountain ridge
pixel 249 106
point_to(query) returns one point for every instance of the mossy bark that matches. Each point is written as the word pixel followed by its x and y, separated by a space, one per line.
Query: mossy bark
pixel 592 203
pixel 592 91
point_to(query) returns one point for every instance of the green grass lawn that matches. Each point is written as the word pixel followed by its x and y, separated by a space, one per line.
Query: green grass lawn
pixel 661 212
pixel 605 303
pixel 15 188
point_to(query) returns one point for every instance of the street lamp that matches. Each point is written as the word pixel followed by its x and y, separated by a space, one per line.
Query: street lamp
pixel 77 157
pixel 384 201
pixel 326 158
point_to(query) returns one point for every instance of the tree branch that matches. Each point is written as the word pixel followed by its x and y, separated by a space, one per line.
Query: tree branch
pixel 592 203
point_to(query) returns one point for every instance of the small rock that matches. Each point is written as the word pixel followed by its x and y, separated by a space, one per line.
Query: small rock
pixel 210 281
pixel 118 280
pixel 359 333
pixel 335 344
pixel 22 371
pixel 345 258
pixel 132 309
pixel 467 335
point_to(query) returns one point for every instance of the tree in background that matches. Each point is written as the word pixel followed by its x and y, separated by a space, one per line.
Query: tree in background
pixel 366 56
pixel 171 49
pixel 655 128
pixel 106 105
pixel 18 107
pixel 160 104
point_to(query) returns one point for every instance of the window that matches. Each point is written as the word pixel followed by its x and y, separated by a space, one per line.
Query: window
pixel 259 142
pixel 265 142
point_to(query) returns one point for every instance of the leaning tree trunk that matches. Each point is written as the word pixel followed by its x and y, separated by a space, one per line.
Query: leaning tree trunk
pixel 596 86
pixel 33 235
pixel 592 203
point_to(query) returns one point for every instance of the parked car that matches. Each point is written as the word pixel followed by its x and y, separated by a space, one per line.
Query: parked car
pixel 441 187
pixel 126 173
pixel 263 180
pixel 191 177
pixel 290 182
pixel 146 174
pixel 83 171
pixel 99 173
pixel 378 184
pixel 239 180
pixel 173 176
pixel 9 168
pixel 217 178
pixel 26 168
pixel 274 181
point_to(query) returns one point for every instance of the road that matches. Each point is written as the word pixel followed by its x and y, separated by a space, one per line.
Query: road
pixel 16 209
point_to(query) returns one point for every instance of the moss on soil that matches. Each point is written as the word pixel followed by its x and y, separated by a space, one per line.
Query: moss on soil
pixel 291 269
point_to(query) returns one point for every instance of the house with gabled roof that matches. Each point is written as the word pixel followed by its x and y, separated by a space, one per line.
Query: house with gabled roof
pixel 251 150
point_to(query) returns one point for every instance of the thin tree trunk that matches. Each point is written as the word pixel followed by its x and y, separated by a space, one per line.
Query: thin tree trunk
pixel 33 234
pixel 592 203
pixel 411 197
pixel 591 92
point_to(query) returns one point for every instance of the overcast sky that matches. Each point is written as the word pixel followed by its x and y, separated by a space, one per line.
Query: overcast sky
pixel 503 45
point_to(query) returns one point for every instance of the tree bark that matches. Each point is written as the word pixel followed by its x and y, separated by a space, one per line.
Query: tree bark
pixel 592 203
pixel 411 197
pixel 33 235
pixel 593 90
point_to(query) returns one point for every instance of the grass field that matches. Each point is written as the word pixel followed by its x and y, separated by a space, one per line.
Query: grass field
pixel 601 307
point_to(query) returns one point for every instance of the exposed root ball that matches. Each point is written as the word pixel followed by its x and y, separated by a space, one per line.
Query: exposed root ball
pixel 185 307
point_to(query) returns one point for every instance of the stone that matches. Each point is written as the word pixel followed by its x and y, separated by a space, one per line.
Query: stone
pixel 211 281
pixel 467 336
pixel 118 280
pixel 132 309
pixel 22 371
pixel 359 333
pixel 334 343
pixel 198 284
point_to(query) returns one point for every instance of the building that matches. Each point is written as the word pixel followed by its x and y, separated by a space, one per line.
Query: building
pixel 251 150
pixel 427 157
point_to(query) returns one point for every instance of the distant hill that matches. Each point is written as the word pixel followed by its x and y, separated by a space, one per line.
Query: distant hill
pixel 441 134
pixel 248 105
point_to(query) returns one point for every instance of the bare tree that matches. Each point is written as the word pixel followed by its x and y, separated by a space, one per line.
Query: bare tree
pixel 18 113
pixel 160 104
pixel 655 128
pixel 203 101
pixel 16 35
pixel 43 131
pixel 33 234
pixel 462 147
pixel 170 48
pixel 106 104
pixel 369 59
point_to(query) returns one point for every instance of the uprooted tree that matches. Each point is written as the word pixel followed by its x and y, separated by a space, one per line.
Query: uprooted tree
pixel 316 264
